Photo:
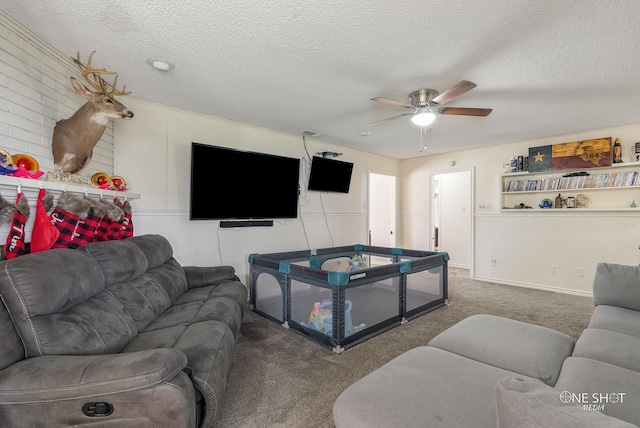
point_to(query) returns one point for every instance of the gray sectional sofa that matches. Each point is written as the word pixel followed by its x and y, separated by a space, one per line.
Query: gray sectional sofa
pixel 488 371
pixel 115 333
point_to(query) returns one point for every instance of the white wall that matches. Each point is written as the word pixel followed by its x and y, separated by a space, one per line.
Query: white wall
pixel 155 149
pixel 524 245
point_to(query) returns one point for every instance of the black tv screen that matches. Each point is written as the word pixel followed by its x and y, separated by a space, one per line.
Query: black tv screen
pixel 330 175
pixel 235 184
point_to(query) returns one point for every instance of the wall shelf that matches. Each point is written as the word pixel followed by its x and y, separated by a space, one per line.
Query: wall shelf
pixel 10 184
pixel 611 188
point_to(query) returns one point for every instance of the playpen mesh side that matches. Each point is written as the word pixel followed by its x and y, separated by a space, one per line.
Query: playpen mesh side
pixel 268 295
pixel 424 287
pixel 366 305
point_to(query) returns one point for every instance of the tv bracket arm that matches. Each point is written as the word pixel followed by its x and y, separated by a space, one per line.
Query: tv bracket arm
pixel 328 154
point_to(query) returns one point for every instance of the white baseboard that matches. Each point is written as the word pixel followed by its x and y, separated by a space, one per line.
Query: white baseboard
pixel 536 286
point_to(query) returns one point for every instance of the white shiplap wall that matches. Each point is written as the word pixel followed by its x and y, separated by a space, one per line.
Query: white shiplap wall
pixel 35 93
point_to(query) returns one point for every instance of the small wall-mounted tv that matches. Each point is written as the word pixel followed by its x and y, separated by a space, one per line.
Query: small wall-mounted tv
pixel 235 184
pixel 330 175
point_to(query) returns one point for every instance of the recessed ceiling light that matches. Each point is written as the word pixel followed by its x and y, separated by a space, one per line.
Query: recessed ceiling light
pixel 160 65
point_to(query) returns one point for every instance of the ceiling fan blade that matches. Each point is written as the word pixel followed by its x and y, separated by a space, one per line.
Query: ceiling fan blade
pixel 454 92
pixel 389 119
pixel 465 111
pixel 390 101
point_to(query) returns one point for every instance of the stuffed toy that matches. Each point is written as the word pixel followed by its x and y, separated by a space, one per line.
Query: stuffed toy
pixel 321 318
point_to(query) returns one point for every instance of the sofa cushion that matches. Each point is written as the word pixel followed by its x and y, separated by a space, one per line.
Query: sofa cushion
pixel 614 318
pixel 222 309
pixel 423 387
pixel 617 285
pixel 529 403
pixel 58 310
pixel 150 294
pixel 610 347
pixel 512 345
pixel 156 249
pixel 119 261
pixel 223 302
pixel 209 347
pixel 614 388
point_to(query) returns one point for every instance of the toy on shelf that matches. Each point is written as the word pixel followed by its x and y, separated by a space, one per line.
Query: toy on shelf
pixel 321 318
pixel 357 262
pixel 102 180
pixel 19 165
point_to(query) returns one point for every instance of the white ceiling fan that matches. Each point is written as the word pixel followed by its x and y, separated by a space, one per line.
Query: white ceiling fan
pixel 426 104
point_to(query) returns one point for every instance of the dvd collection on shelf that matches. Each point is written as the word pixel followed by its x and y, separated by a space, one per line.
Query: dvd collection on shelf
pixel 595 181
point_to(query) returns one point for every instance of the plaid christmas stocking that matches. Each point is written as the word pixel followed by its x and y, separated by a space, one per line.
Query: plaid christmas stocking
pixel 114 229
pixel 108 214
pixel 15 245
pixel 44 234
pixel 125 225
pixel 70 218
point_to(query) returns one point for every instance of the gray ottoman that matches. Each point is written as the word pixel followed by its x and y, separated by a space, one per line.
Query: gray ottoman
pixel 423 387
pixel 527 349
pixel 453 381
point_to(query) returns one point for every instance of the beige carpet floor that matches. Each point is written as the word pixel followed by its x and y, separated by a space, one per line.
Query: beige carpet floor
pixel 280 379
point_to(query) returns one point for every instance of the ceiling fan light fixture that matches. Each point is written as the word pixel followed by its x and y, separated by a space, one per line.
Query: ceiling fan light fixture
pixel 424 118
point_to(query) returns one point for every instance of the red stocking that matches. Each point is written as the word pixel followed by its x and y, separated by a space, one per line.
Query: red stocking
pixel 44 234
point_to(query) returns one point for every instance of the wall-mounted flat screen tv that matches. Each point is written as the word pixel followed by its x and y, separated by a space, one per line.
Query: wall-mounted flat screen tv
pixel 330 175
pixel 234 184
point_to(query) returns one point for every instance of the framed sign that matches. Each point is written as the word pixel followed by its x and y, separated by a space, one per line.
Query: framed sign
pixel 540 158
pixel 581 154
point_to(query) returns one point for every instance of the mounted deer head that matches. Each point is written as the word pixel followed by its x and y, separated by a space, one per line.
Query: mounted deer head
pixel 74 138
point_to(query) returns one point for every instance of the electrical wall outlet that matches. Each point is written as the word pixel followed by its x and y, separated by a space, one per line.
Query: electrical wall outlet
pixel 581 272
pixel 554 269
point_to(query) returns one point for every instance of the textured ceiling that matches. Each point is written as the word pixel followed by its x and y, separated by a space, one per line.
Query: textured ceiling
pixel 546 67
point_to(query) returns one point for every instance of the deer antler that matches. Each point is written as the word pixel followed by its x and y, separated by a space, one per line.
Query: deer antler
pixel 92 76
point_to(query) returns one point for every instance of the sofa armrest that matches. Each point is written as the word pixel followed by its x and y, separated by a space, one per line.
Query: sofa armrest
pixel 66 377
pixel 200 276
pixel 617 285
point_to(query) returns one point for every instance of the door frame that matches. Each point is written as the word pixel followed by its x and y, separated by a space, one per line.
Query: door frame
pixel 395 204
pixel 472 193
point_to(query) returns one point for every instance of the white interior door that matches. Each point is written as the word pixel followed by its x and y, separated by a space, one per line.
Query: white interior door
pixel 452 216
pixel 382 210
